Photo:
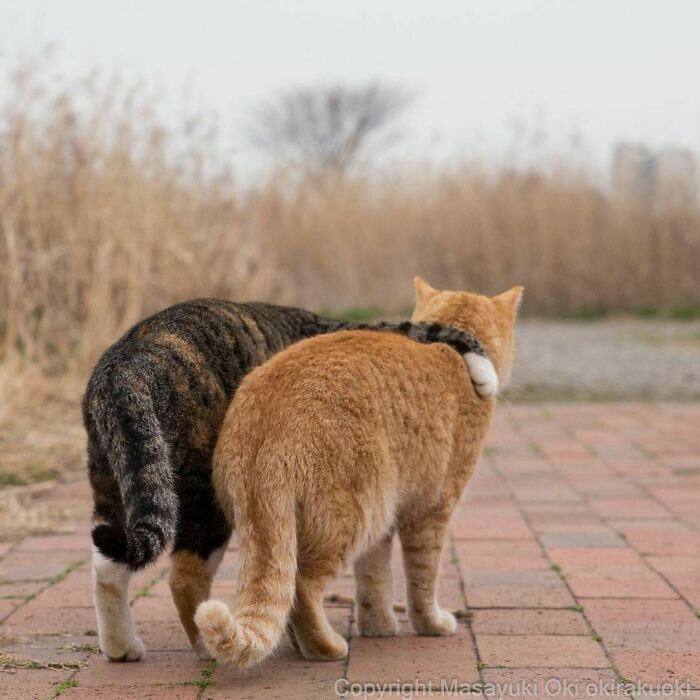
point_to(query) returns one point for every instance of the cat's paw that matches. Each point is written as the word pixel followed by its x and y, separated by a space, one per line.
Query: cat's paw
pixel 377 624
pixel 482 373
pixel 133 650
pixel 442 623
pixel 329 648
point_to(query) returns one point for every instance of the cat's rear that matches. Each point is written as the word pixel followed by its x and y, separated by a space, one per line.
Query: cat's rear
pixel 325 450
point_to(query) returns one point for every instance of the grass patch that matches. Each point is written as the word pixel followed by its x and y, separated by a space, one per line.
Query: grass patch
pixel 207 672
pixel 556 567
pixel 64 685
pixel 646 311
pixel 597 638
pixel 576 608
pixel 685 311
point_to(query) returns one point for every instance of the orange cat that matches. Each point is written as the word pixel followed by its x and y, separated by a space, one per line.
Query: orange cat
pixel 330 447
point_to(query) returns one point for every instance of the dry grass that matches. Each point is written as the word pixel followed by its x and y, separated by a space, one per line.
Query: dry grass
pixel 107 215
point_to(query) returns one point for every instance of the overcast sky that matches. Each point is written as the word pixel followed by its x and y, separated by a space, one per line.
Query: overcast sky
pixel 609 69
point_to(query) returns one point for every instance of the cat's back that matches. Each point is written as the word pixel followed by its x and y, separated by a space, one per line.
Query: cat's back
pixel 354 367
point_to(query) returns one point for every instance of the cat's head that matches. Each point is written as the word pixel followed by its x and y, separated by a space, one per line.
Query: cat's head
pixel 490 319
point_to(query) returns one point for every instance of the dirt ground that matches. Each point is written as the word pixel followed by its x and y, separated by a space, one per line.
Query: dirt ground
pixel 620 359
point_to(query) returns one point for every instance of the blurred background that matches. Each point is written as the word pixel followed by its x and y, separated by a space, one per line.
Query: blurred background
pixel 321 154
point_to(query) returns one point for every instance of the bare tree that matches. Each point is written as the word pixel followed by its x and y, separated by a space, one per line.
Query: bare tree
pixel 326 127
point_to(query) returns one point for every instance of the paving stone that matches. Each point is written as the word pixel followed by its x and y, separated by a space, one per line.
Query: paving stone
pixel 619 582
pixel 66 649
pixel 581 538
pixel 286 676
pixel 53 543
pixel 477 526
pixel 659 666
pixel 625 611
pixel 155 668
pixel 514 621
pixel 33 618
pixel 413 657
pixel 505 596
pixel 628 508
pixel 540 650
pixel 161 692
pixel 577 683
pixel 28 566
pixel 31 684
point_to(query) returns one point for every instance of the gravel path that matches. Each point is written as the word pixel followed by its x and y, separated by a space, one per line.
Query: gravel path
pixel 610 359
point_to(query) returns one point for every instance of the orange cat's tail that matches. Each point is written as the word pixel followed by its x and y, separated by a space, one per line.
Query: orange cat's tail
pixel 269 548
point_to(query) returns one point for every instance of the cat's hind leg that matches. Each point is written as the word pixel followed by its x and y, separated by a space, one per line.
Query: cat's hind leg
pixel 373 580
pixel 314 634
pixel 422 541
pixel 190 584
pixel 115 625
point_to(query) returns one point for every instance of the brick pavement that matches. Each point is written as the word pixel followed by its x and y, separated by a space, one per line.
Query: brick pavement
pixel 576 552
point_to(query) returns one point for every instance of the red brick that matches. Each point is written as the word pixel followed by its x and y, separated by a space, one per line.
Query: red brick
pixel 628 508
pixel 666 541
pixel 550 682
pixel 285 676
pixel 619 582
pixel 34 684
pixel 414 658
pixel 34 618
pixel 476 526
pixel 51 649
pixel 683 573
pixel 624 611
pixel 514 621
pixel 52 543
pixel 155 668
pixel 540 650
pixel 518 597
pixel 659 667
pixel 26 566
pixel 20 589
pixel 74 591
pixel 161 692
pixel 588 536
pixel 497 549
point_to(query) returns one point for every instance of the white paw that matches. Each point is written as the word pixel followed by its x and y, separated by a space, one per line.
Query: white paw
pixel 483 374
pixel 440 623
pixel 131 651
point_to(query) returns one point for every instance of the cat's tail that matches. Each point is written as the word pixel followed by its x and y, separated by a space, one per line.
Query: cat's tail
pixel 138 457
pixel 267 523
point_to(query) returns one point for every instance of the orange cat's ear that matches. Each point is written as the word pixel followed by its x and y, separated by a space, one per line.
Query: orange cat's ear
pixel 512 298
pixel 424 292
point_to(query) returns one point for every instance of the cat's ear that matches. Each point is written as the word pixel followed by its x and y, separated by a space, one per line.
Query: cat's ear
pixel 424 292
pixel 512 299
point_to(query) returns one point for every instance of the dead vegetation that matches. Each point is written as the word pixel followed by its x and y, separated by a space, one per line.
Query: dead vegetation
pixel 109 212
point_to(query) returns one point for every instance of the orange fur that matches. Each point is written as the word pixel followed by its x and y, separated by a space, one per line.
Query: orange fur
pixel 330 447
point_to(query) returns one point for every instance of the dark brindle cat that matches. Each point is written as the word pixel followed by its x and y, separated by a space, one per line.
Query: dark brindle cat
pixel 152 410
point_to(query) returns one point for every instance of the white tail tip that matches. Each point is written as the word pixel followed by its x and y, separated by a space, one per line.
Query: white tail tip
pixel 483 374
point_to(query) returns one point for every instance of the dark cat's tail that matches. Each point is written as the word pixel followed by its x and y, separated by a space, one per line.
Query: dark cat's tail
pixel 138 457
pixel 266 518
